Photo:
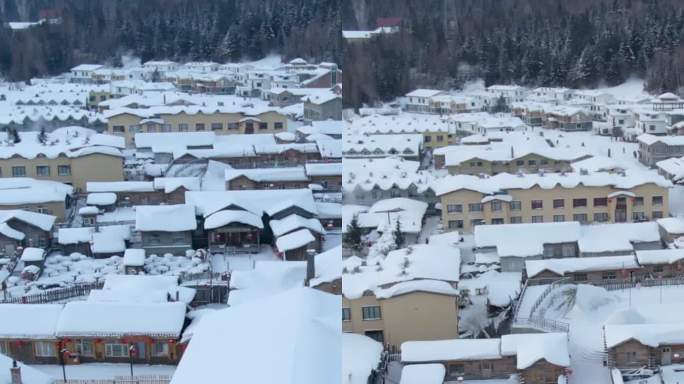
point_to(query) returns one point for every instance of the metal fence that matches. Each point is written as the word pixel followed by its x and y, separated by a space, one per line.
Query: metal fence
pixel 618 285
pixel 54 295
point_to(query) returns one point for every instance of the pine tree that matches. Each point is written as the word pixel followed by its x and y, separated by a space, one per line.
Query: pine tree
pixel 398 235
pixel 15 136
pixel 42 136
pixel 352 237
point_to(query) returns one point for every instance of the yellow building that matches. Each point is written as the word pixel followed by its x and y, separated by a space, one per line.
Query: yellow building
pixel 126 122
pixel 410 295
pixel 70 155
pixel 598 197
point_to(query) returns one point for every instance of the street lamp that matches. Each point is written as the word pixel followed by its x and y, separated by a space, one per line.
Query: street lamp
pixel 62 353
pixel 131 354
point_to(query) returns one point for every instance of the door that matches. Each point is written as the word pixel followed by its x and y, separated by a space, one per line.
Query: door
pixel 621 210
pixel 249 127
pixel 666 356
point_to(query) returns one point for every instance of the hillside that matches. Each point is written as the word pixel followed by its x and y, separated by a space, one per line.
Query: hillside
pixel 443 43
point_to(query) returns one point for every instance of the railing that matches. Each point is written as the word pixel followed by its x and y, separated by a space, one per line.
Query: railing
pixel 546 293
pixel 617 285
pixel 516 306
pixel 198 276
pixel 543 324
pixel 147 379
pixel 54 295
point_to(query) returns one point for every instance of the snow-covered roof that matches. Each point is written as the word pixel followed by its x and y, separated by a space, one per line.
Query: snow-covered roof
pixel 119 186
pixel 328 266
pixel 165 218
pixel 134 257
pixel 423 374
pixel 312 328
pixel 404 123
pixel 489 185
pixel 408 212
pixel 648 139
pixel 33 254
pixel 170 184
pixel 102 198
pixel 229 216
pixel 501 287
pixel 116 319
pixel 256 201
pixel 581 264
pixel 294 240
pixel 673 166
pixel 422 267
pixel 29 321
pixel 616 237
pixel 40 220
pixel 424 93
pixel 532 347
pixel 506 152
pixel 660 256
pixel 323 169
pixel 360 355
pixel 88 210
pixel 141 289
pixel 265 175
pixel 60 143
pixel 24 190
pixel 650 334
pixel 447 350
pixel 384 173
pixel 404 145
pixel 326 127
pixel 293 222
pixel 674 225
pixel 525 239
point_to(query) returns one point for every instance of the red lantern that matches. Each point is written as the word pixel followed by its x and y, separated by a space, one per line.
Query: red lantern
pixel 98 340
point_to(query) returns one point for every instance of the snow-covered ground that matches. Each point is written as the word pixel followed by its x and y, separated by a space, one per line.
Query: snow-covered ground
pixel 93 371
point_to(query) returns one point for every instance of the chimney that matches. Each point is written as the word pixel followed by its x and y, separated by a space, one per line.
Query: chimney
pixel 310 265
pixel 15 373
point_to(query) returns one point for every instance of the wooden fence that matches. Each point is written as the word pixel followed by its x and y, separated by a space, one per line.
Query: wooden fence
pixel 54 295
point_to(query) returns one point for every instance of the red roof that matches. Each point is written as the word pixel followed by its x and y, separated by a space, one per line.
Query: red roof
pixel 388 21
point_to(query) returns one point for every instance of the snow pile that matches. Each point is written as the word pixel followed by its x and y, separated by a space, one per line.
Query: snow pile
pixel 103 198
pixel 360 355
pixel 501 287
pixel 134 257
pixel 33 254
pixel 267 278
pixel 29 375
pixel 328 266
pixel 455 349
pixel 589 299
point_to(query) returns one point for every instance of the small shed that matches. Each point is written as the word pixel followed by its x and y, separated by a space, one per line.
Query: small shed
pixel 134 261
pixel 33 256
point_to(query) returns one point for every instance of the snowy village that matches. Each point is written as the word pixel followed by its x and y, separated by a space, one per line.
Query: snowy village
pixel 156 213
pixel 510 235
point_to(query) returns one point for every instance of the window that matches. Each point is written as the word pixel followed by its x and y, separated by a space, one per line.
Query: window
pixel 428 139
pixel 19 171
pixel 64 170
pixel 657 200
pixel 263 125
pixel 84 347
pixel 160 349
pixel 232 126
pixel 638 216
pixel 658 268
pixel 44 349
pixel 440 138
pixel 537 204
pixel 199 127
pixel 544 162
pixel 371 313
pixel 581 217
pixel 498 221
pixel 455 370
pixel 346 314
pixel 476 222
pixel 609 275
pixel 88 221
pixel 579 203
pixel 43 170
pixel 216 126
pixel 638 201
pixel 118 129
pixel 166 128
pixel 451 208
pixel 278 125
pixel 601 217
pixel 3 348
pixel 376 335
pixel 531 162
pixel 600 202
pixel 657 214
pixel 182 127
pixel 455 224
pixel 116 350
pixel 516 205
pixel 558 218
pixel 520 162
pixel 133 128
pixel 476 207
pixel 516 219
pixel 249 126
pixel 496 205
pixel 558 203
pixel 537 219
pixel 580 277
